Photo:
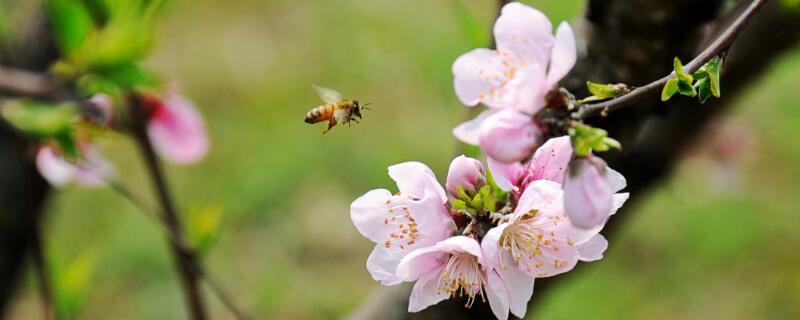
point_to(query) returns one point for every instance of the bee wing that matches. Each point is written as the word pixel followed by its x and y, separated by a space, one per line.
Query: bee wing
pixel 328 95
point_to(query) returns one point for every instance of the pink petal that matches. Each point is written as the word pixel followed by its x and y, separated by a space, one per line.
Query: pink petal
pixel 519 284
pixel 56 171
pixel 508 136
pixel 178 131
pixel 498 295
pixel 368 213
pixel 422 260
pixel 616 180
pixel 469 132
pixel 593 249
pixel 526 91
pixel 524 32
pixel 506 175
pixel 490 245
pixel 563 55
pixel 587 195
pixel 473 74
pixel 382 265
pixel 465 172
pixel 416 178
pixel 538 195
pixel 619 199
pixel 425 292
pixel 551 160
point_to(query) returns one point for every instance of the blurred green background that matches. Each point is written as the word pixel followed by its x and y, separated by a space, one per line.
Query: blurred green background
pixel 719 239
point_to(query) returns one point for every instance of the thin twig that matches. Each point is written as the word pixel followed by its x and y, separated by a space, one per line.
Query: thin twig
pixel 122 189
pixel 184 262
pixel 40 268
pixel 722 43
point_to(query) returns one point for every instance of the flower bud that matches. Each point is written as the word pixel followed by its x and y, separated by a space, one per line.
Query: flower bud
pixel 467 173
pixel 509 136
pixel 177 130
pixel 588 192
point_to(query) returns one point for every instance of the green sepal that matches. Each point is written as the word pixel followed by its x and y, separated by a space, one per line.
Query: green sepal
pixel 462 194
pixel 586 139
pixel 458 204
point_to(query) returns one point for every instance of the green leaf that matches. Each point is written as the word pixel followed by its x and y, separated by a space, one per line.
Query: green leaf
pixel 477 202
pixel 586 139
pixel 713 68
pixel 669 89
pixel 678 68
pixel 70 284
pixel 703 86
pixel 603 91
pixel 458 204
pixel 70 22
pixel 686 88
pixel 204 227
pixel 40 119
pixel 129 76
pixel 462 194
pixel 92 84
pixel 475 30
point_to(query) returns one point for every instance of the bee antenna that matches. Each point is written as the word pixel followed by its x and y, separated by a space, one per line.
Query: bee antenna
pixel 364 106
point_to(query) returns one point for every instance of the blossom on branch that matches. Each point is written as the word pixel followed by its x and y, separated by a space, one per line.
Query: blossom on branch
pixel 517 77
pixel 91 170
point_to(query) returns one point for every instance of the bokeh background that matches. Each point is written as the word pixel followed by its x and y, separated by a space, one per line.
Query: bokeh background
pixel 718 239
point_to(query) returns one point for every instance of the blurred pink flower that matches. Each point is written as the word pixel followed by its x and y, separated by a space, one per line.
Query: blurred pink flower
pixel 177 130
pixel 90 171
pixel 527 64
pixel 590 189
pixel 467 173
pixel 416 217
pixel 453 267
pixel 549 162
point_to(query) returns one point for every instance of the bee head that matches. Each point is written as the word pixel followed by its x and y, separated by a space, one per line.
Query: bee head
pixel 356 109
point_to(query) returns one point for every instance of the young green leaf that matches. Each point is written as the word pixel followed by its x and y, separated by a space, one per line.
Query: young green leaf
pixel 713 68
pixel 458 204
pixel 204 227
pixel 39 119
pixel 70 284
pixel 669 89
pixel 71 23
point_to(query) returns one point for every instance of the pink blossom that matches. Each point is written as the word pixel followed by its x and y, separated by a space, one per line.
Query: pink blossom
pixel 467 173
pixel 89 171
pixel 527 64
pixel 177 130
pixel 549 162
pixel 453 267
pixel 414 218
pixel 590 189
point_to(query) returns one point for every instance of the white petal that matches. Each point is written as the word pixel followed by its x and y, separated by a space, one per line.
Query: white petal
pixel 382 265
pixel 619 199
pixel 506 175
pixel 519 284
pixel 525 32
pixel 425 292
pixel 593 249
pixel 563 55
pixel 416 178
pixel 469 132
pixel 498 295
pixel 615 179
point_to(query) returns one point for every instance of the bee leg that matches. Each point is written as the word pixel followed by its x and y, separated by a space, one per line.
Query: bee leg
pixel 354 119
pixel 331 123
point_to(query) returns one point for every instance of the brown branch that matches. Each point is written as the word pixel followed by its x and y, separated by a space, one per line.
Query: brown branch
pixel 184 261
pixel 722 43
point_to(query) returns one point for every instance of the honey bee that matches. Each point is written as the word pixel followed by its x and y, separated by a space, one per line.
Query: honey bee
pixel 335 110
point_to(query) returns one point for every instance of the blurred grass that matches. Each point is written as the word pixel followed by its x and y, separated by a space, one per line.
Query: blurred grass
pixel 288 249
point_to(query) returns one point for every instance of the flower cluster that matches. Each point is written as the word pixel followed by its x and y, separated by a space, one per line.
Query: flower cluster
pixel 534 211
pixel 175 128
pixel 481 236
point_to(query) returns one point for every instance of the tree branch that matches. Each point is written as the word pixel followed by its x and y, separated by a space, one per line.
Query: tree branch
pixel 721 44
pixel 183 260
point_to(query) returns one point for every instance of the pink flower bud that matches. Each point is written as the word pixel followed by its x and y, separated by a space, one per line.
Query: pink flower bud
pixel 588 192
pixel 508 136
pixel 103 107
pixel 177 130
pixel 467 173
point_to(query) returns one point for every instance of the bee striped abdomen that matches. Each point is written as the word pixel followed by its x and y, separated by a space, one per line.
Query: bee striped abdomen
pixel 321 113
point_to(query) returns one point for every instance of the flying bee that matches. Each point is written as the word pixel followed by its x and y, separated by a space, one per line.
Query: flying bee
pixel 335 110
